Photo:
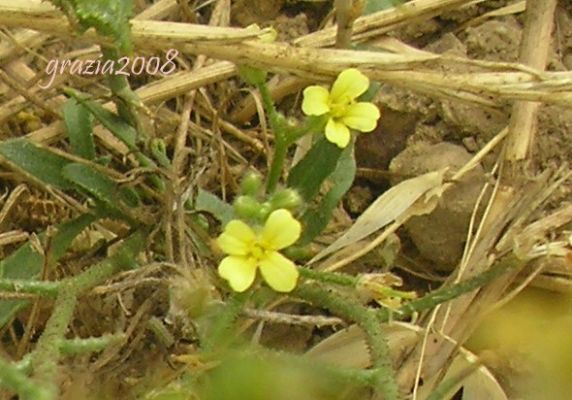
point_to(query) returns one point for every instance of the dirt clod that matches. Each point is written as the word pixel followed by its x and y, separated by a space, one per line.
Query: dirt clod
pixel 440 236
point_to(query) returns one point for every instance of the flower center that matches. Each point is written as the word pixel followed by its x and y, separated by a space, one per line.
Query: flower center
pixel 257 252
pixel 339 107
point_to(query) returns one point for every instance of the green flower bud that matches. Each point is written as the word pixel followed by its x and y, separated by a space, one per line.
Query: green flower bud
pixel 264 211
pixel 287 198
pixel 251 184
pixel 247 207
pixel 159 152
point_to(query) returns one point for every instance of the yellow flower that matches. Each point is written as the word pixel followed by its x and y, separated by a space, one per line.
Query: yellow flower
pixel 249 250
pixel 341 106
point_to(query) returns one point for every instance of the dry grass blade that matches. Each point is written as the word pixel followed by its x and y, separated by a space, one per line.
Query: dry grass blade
pixel 396 204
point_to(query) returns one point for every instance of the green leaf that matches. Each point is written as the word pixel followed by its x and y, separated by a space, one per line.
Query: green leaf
pixel 108 17
pixel 317 218
pixel 78 123
pixel 210 203
pixel 371 91
pixel 308 175
pixel 26 263
pixel 92 181
pixel 98 186
pixel 121 129
pixel 372 6
pixel 37 162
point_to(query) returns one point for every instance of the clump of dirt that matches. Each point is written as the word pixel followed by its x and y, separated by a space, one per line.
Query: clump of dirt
pixel 246 12
pixel 440 236
pixel 271 13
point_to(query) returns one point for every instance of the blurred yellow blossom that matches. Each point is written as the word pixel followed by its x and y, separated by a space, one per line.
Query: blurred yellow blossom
pixel 249 250
pixel 341 106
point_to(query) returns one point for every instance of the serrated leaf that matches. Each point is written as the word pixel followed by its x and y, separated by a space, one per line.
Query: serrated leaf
pixel 308 175
pixel 317 218
pixel 108 17
pixel 37 162
pixel 26 263
pixel 79 128
pixel 221 210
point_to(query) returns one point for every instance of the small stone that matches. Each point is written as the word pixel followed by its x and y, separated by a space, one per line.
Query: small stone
pixel 470 144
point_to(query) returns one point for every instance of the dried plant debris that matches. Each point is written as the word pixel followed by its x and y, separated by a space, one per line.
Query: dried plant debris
pixel 231 199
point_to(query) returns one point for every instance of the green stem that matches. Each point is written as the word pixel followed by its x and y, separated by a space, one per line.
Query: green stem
pixel 445 294
pixel 126 100
pixel 273 115
pixel 43 288
pixel 14 379
pixel 366 318
pixel 278 158
pixel 47 353
pixel 278 127
pixel 223 322
pixel 329 277
pixel 88 345
pixel 365 377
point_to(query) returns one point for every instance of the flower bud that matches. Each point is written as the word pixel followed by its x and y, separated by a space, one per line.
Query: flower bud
pixel 251 183
pixel 247 207
pixel 287 198
pixel 159 152
pixel 264 211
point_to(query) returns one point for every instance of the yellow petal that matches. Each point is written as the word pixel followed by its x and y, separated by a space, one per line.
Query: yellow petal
pixel 315 100
pixel 280 230
pixel 337 133
pixel 236 239
pixel 361 116
pixel 279 272
pixel 350 84
pixel 238 271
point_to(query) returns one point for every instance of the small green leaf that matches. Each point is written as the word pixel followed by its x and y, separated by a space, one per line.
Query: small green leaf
pixel 317 218
pixel 308 175
pixel 78 123
pixel 371 92
pixel 251 75
pixel 26 263
pixel 121 129
pixel 99 187
pixel 159 152
pixel 210 203
pixel 37 162
pixel 372 6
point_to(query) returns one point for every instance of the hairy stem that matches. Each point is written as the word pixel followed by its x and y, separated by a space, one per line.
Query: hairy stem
pixel 346 308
